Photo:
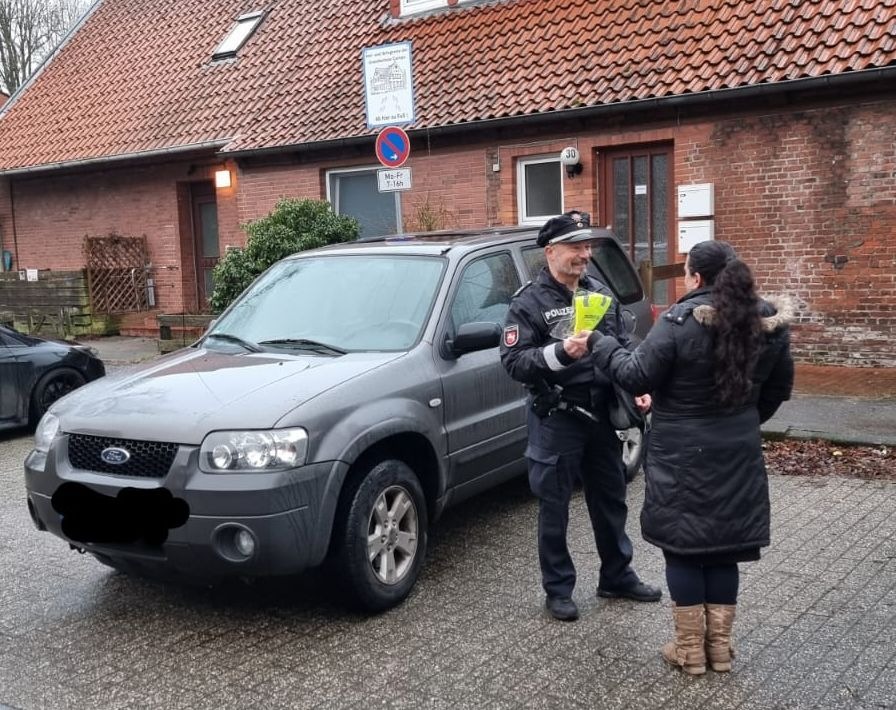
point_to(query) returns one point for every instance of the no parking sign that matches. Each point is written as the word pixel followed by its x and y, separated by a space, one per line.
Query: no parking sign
pixel 392 146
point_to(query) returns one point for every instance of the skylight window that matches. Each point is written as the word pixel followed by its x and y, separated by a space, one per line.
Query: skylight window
pixel 239 33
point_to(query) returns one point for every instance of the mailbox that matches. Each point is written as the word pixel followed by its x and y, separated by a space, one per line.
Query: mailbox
pixel 689 233
pixel 696 200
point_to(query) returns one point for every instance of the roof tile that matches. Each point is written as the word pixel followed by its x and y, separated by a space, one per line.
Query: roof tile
pixel 138 75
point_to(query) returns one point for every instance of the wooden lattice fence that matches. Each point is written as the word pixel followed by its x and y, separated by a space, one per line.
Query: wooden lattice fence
pixel 117 270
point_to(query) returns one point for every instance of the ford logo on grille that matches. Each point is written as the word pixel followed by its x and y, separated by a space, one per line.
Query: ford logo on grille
pixel 115 455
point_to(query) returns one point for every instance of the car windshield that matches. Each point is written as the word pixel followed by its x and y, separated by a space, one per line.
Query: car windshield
pixel 331 304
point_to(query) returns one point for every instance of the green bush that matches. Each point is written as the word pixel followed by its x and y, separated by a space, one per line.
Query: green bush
pixel 294 225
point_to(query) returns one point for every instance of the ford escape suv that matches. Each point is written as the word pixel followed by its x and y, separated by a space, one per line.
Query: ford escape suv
pixel 331 413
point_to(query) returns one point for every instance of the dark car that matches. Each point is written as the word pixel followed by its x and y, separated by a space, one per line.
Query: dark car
pixel 341 403
pixel 35 372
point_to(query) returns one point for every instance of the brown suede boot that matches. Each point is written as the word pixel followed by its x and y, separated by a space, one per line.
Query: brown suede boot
pixel 687 650
pixel 719 620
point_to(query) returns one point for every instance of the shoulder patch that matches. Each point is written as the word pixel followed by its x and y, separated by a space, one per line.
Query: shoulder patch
pixel 521 289
pixel 511 335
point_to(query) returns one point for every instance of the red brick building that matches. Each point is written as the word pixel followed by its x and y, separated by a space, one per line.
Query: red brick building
pixel 781 113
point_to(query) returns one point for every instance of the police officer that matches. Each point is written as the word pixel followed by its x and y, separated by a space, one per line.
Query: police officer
pixel 570 437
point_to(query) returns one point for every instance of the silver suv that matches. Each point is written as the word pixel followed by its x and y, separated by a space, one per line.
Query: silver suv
pixel 331 413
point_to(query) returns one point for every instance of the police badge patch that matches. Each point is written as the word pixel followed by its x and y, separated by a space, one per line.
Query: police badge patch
pixel 511 335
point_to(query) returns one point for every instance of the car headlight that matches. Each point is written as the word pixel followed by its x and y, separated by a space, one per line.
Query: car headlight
pixel 46 431
pixel 253 450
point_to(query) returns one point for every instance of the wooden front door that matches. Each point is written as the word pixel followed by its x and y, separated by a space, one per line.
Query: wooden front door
pixel 206 247
pixel 637 200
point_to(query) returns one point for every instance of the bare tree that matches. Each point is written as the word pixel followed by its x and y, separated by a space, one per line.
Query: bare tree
pixel 29 30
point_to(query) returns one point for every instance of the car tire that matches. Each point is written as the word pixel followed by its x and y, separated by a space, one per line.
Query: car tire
pixel 382 535
pixel 53 385
pixel 634 450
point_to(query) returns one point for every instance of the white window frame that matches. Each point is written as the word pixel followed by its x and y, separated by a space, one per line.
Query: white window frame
pixel 333 199
pixel 521 163
pixel 412 7
pixel 238 35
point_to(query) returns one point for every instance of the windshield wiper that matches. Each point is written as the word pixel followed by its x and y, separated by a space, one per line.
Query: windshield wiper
pixel 305 344
pixel 251 347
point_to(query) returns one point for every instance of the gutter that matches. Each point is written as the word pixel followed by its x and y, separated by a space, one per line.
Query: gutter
pixel 142 154
pixel 832 82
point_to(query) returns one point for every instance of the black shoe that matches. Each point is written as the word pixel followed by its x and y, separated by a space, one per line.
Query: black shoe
pixel 638 591
pixel 562 608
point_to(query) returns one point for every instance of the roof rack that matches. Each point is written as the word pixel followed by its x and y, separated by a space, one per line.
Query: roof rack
pixel 447 234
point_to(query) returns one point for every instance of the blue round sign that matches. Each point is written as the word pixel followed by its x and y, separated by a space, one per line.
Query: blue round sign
pixel 392 146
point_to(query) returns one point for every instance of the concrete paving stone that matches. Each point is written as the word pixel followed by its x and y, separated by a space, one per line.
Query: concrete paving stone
pixel 292 692
pixel 816 685
pixel 695 693
pixel 882 690
pixel 25 693
pixel 648 696
pixel 210 674
pixel 857 679
pixel 278 685
pixel 840 697
pixel 499 703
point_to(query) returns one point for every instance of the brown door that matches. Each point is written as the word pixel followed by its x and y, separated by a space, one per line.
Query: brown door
pixel 636 200
pixel 205 239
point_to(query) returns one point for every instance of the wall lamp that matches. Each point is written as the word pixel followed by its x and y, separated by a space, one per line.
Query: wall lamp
pixel 569 159
pixel 222 178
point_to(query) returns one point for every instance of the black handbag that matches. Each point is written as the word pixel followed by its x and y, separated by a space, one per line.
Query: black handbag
pixel 624 413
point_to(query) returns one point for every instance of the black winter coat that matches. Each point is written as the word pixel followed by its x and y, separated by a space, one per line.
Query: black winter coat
pixel 707 488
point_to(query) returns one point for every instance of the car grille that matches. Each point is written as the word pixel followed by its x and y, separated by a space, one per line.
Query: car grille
pixel 149 459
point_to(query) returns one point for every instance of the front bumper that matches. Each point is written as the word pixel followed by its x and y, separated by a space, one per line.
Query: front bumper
pixel 288 514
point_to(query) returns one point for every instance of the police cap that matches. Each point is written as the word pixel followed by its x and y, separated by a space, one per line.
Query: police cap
pixel 569 227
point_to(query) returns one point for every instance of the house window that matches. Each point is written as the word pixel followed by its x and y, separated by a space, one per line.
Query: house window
pixel 354 193
pixel 412 7
pixel 409 7
pixel 239 33
pixel 539 189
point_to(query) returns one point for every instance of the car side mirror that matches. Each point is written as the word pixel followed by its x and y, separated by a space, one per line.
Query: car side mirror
pixel 475 336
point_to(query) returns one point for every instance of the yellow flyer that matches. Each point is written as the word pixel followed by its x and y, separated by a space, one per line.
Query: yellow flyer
pixel 589 309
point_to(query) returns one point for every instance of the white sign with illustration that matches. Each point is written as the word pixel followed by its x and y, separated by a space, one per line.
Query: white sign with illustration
pixel 388 84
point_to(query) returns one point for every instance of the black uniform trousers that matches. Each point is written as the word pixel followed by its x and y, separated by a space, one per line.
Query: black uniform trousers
pixel 565 448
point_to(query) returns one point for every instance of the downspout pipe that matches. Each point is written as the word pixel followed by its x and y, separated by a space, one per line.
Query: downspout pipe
pixel 15 236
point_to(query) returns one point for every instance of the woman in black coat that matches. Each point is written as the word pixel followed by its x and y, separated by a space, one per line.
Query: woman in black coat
pixel 717 364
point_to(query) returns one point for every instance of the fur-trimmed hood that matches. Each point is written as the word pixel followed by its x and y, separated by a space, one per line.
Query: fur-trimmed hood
pixel 784 313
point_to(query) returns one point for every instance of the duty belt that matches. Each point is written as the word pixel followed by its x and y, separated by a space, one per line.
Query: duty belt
pixel 548 399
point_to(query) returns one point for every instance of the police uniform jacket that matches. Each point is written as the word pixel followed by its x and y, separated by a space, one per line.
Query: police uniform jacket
pixel 707 488
pixel 530 353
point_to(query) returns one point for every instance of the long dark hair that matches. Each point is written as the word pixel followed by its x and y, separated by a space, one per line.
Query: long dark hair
pixel 738 324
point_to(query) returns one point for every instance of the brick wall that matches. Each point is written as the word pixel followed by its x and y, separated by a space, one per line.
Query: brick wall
pixel 54 214
pixel 808 198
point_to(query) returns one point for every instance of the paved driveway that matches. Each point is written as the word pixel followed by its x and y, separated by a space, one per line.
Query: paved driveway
pixel 816 627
